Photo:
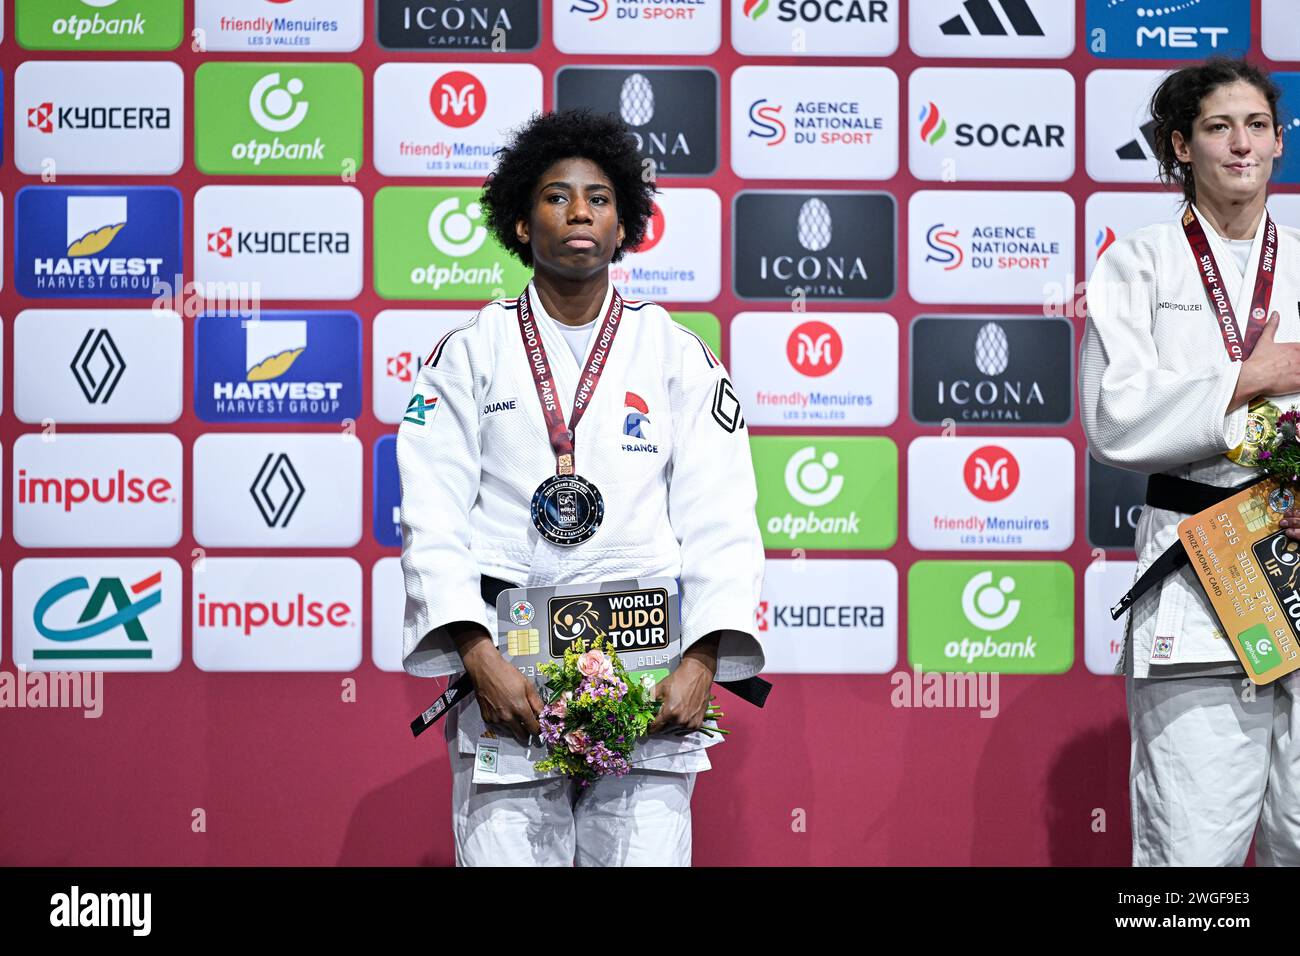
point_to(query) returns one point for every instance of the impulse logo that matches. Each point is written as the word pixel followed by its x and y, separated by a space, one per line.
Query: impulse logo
pixel 991 473
pixel 766 123
pixel 944 248
pixel 458 99
pixel 116 489
pixel 814 349
pixel 130 603
pixel 295 612
pixel 933 125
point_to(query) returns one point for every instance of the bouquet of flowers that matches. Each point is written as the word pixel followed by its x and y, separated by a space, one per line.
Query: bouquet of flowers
pixel 1279 456
pixel 595 713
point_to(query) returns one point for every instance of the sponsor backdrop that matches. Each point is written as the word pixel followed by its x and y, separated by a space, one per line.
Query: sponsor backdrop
pixel 232 229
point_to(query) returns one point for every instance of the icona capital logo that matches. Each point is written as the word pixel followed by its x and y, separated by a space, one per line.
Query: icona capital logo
pixel 977 616
pixel 129 602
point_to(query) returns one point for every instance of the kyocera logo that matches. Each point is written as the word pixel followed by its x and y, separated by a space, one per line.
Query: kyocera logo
pixel 116 489
pixel 294 612
pixel 458 99
pixel 991 473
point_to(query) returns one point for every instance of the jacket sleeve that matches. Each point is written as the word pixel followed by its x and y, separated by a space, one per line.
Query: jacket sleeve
pixel 711 506
pixel 1138 412
pixel 438 457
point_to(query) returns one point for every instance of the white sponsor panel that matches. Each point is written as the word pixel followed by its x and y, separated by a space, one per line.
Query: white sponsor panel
pixel 98 366
pixel 449 119
pixel 835 369
pixel 815 27
pixel 1285 209
pixel 277 490
pixel 387 610
pixel 1011 29
pixel 796 122
pixel 97 614
pixel 1111 216
pixel 277 614
pixel 680 259
pixel 293 242
pixel 403 339
pixel 969 125
pixel 990 248
pixel 97 491
pixel 1104 583
pixel 281 26
pixel 93 117
pixel 833 616
pixel 1119 132
pixel 1279 32
pixel 675 27
pixel 990 494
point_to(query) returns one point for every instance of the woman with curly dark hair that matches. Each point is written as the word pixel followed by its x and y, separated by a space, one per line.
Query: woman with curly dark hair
pixel 1189 351
pixel 646 486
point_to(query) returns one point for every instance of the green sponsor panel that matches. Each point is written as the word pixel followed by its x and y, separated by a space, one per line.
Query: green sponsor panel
pixel 85 25
pixel 826 493
pixel 278 119
pixel 432 243
pixel 1009 617
pixel 703 324
pixel 1261 647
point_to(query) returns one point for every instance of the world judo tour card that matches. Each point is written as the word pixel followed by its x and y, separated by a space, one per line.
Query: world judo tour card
pixel 642 616
pixel 1250 571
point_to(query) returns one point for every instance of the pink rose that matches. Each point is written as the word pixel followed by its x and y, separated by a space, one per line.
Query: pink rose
pixel 592 663
pixel 559 707
pixel 577 741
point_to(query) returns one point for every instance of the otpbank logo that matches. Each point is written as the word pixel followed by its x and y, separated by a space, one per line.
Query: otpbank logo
pixel 831 493
pixel 280 367
pixel 1013 617
pixel 96 241
pixel 276 119
pixel 99 24
pixel 433 243
pixel 105 614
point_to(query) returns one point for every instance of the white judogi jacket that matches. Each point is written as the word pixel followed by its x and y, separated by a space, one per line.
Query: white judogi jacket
pixel 679 501
pixel 1154 384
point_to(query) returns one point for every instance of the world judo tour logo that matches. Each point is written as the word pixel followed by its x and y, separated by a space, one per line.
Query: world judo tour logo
pixel 131 602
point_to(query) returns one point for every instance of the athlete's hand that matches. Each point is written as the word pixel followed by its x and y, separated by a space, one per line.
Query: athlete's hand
pixel 685 692
pixel 506 698
pixel 1291 523
pixel 1272 369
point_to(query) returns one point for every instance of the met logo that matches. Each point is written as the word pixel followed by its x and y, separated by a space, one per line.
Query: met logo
pixel 1186 30
pixel 130 602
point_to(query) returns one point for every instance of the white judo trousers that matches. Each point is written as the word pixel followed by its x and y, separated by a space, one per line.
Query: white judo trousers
pixel 641 819
pixel 1213 764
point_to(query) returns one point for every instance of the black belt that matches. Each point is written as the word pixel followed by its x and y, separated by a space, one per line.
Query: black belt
pixel 751 689
pixel 1181 495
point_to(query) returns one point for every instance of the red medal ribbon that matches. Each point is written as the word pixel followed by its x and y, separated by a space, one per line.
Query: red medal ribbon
pixel 1220 301
pixel 561 435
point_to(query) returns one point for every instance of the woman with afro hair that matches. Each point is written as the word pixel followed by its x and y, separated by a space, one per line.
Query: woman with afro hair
pixel 569 436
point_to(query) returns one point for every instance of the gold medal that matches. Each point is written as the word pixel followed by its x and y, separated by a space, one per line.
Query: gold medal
pixel 1261 428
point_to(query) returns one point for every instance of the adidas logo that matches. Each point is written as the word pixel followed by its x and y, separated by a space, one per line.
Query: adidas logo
pixel 1133 149
pixel 984 16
